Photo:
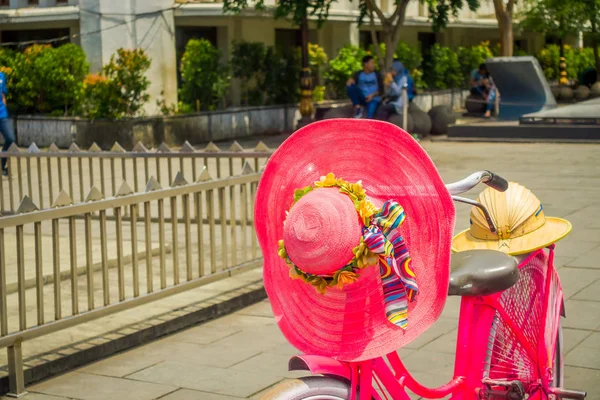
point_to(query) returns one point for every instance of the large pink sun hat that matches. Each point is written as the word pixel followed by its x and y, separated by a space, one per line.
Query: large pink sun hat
pixel 355 225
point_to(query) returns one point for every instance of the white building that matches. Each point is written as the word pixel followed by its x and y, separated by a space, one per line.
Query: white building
pixel 162 28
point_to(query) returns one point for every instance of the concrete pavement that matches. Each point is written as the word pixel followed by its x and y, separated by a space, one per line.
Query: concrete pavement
pixel 241 355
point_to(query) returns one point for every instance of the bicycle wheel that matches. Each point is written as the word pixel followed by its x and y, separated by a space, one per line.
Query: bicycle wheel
pixel 516 356
pixel 309 388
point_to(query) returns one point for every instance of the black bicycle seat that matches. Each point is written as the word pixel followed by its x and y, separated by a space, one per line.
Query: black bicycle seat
pixel 481 273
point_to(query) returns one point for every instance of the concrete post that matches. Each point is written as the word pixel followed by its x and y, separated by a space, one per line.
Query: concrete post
pixel 145 24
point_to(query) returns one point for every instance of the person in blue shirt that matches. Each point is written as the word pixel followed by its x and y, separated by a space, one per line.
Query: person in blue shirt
pixel 483 85
pixel 6 128
pixel 395 80
pixel 365 88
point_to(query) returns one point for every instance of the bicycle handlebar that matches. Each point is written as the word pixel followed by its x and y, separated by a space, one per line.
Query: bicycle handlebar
pixel 468 183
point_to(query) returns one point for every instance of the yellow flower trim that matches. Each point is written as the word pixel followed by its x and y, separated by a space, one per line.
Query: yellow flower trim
pixel 363 257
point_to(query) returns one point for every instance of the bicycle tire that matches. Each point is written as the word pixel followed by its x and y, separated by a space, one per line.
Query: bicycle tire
pixel 310 388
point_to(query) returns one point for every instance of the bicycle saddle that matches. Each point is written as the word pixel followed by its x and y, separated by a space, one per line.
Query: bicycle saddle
pixel 481 273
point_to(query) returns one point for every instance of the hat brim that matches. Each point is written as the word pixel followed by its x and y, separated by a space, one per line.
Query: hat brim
pixel 553 230
pixel 350 324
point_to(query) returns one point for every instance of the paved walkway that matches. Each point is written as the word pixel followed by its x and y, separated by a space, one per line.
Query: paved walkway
pixel 241 355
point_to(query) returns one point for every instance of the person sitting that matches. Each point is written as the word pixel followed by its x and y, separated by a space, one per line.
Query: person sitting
pixel 397 78
pixel 365 88
pixel 483 85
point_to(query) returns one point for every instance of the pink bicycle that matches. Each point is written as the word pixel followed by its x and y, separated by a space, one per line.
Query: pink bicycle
pixel 509 335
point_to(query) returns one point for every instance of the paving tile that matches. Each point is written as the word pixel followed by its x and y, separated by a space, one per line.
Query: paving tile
pixel 583 379
pixel 572 338
pixel 592 342
pixel 588 260
pixel 36 396
pixel 204 334
pixel 443 344
pixel 186 394
pixel 452 307
pixel 208 379
pixel 262 309
pixel 212 355
pixel 123 364
pixel 560 261
pixel 584 357
pixel 429 361
pixel 94 387
pixel 285 349
pixel 270 363
pixel 582 314
pixel 441 327
pixel 590 292
pixel 573 280
pixel 575 248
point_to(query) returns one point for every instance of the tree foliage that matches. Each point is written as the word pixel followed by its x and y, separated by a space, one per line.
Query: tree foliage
pixel 296 10
pixel 369 12
pixel 559 18
pixel 205 78
pixel 120 90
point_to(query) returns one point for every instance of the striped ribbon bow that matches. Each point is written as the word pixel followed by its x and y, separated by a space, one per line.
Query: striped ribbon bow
pixel 383 238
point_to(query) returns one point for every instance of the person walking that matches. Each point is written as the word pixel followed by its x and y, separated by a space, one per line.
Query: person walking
pixel 365 88
pixel 6 128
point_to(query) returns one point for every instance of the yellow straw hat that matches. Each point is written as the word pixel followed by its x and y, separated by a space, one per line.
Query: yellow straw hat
pixel 518 216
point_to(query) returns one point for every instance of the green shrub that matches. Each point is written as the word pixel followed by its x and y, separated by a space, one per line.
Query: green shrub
pixel 577 61
pixel 346 62
pixel 120 90
pixel 281 78
pixel 267 77
pixel 410 56
pixel 317 61
pixel 470 58
pixel 205 80
pixel 247 64
pixel 318 93
pixel 443 70
pixel 64 83
pixel 43 79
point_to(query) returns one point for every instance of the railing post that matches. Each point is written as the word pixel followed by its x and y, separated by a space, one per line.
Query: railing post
pixel 405 107
pixel 16 378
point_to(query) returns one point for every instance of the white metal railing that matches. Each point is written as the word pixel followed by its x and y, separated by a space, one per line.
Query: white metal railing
pixel 129 260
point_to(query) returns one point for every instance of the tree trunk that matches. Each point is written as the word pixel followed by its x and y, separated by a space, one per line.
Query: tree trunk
pixel 561 47
pixel 504 18
pixel 391 31
pixel 506 35
pixel 597 58
pixel 304 42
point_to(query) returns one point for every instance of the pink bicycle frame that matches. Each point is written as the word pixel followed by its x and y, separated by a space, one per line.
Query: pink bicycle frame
pixel 476 318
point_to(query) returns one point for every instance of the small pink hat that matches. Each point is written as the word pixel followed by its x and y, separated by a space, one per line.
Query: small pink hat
pixel 339 206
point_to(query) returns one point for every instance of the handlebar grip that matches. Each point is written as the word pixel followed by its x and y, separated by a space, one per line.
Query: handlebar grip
pixel 497 182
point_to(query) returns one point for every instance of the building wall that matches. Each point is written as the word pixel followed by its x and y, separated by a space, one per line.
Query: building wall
pixel 145 24
pixel 107 25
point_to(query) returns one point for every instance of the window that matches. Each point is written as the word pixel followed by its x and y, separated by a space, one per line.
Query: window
pixel 289 39
pixel 33 2
pixel 38 34
pixel 4 3
pixel 365 39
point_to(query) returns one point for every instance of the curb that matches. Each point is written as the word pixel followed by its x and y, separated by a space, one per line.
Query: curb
pixel 146 332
